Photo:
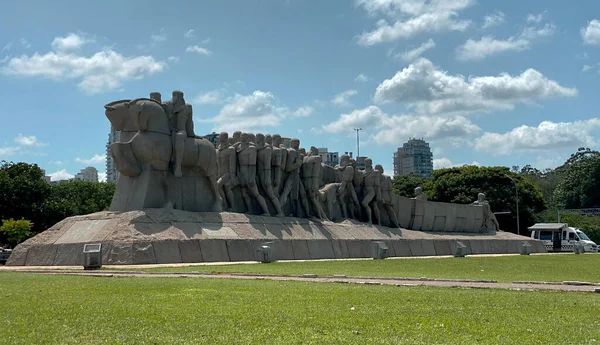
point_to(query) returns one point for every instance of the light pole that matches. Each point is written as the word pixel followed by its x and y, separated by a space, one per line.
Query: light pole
pixel 517 200
pixel 357 142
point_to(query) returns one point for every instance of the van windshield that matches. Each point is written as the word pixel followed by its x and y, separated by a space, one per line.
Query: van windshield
pixel 582 236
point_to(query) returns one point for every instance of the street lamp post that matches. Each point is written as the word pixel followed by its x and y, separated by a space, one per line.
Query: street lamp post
pixel 357 142
pixel 517 200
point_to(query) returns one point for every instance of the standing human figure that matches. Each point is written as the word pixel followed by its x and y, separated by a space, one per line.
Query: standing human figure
pixel 371 191
pixel 292 183
pixel 227 175
pixel 180 116
pixel 357 182
pixel 386 196
pixel 246 157
pixel 263 165
pixel 311 178
pixel 278 161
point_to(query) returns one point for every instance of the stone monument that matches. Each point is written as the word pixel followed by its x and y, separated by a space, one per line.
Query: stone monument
pixel 173 187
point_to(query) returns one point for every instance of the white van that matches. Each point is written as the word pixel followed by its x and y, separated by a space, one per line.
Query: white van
pixel 568 236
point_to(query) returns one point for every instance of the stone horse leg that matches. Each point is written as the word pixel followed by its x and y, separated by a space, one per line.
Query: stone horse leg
pixel 206 164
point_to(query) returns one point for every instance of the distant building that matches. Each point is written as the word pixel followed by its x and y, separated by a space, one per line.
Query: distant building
pixel 45 177
pixel 89 174
pixel 413 157
pixel 212 137
pixel 360 162
pixel 112 175
pixel 329 158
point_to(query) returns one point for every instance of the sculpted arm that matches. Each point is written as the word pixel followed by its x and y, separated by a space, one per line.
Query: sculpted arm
pixel 293 162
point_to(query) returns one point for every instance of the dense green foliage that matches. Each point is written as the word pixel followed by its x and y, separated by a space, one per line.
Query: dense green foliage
pixel 501 269
pixel 579 185
pixel 16 231
pixel 24 194
pixel 462 184
pixel 55 309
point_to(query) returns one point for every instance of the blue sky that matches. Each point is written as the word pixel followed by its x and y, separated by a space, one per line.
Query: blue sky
pixel 492 83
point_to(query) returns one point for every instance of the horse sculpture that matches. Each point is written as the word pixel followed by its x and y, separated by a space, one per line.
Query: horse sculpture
pixel 144 155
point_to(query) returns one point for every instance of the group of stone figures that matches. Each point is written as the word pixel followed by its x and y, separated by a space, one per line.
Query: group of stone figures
pixel 162 163
pixel 244 170
pixel 267 171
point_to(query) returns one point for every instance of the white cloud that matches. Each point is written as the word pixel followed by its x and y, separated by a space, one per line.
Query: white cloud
pixel 198 50
pixel 367 117
pixel 57 162
pixel 253 112
pixel 101 177
pixel 103 71
pixel 25 43
pixel 413 17
pixel 9 150
pixel 161 36
pixel 70 43
pixel 96 159
pixel 189 34
pixel 455 129
pixel 210 97
pixel 361 78
pixel 392 130
pixel 473 50
pixel 586 68
pixel 304 111
pixel 413 54
pixel 28 141
pixel 441 163
pixel 342 99
pixel 7 47
pixel 61 175
pixel 591 33
pixel 545 137
pixel 536 18
pixel 493 19
pixel 205 41
pixel 431 90
pixel 173 59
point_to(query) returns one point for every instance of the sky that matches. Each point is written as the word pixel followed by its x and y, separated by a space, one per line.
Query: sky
pixel 484 82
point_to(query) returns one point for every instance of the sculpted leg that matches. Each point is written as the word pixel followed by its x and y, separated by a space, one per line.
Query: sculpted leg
pixel 287 188
pixel 169 202
pixel 377 214
pixel 230 197
pixel 365 203
pixel 179 151
pixel 392 214
pixel 218 203
pixel 247 199
pixel 261 201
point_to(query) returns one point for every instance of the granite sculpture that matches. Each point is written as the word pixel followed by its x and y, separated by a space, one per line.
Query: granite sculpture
pixel 489 218
pixel 163 164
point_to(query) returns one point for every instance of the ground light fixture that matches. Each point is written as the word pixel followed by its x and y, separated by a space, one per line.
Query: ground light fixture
pixel 92 256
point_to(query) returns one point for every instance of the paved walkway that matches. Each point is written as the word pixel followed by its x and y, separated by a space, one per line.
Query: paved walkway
pixel 477 284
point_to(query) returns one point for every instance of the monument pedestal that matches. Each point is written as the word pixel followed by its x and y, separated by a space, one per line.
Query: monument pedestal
pixel 160 236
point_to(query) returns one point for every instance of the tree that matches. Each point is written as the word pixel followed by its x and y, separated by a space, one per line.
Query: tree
pixel 76 198
pixel 462 184
pixel 546 180
pixel 16 231
pixel 22 191
pixel 405 185
pixel 579 181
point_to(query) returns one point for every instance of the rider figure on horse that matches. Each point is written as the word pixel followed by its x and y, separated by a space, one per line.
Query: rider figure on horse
pixel 182 124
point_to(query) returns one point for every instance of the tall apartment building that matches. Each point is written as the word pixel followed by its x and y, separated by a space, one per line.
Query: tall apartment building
pixel 329 158
pixel 413 157
pixel 112 175
pixel 89 174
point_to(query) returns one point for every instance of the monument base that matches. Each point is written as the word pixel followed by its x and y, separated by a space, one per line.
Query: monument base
pixel 160 236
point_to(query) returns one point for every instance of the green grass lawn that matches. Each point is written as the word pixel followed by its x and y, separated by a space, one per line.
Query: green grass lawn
pixel 54 309
pixel 504 269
